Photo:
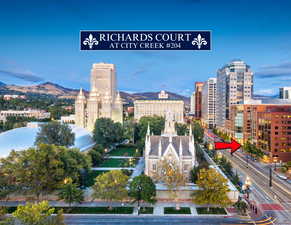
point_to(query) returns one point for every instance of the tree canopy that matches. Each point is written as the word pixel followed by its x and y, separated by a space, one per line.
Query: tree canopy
pixel 213 189
pixel 55 133
pixel 253 150
pixel 142 188
pixel 181 129
pixel 106 132
pixel 36 214
pixel 42 170
pixel 70 193
pixel 198 132
pixel 171 175
pixel 110 186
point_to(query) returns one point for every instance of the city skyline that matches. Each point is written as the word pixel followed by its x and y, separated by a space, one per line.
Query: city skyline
pixel 40 43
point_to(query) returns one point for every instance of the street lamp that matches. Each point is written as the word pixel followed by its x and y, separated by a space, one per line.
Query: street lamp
pixel 246 186
pixel 275 159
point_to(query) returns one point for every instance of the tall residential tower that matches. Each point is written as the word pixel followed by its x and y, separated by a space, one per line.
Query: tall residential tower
pixel 208 103
pixel 234 86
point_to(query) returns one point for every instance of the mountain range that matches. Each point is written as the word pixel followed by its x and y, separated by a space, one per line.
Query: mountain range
pixel 52 89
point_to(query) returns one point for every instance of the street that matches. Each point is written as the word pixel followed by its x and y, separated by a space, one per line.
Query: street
pixel 276 199
pixel 142 220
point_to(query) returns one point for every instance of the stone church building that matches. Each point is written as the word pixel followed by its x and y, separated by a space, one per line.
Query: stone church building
pixel 103 100
pixel 179 150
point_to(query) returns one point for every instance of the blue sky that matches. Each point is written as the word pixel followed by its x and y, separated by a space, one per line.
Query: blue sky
pixel 39 41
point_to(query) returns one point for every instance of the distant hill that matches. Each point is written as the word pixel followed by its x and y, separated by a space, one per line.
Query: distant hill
pixel 2 84
pixel 56 90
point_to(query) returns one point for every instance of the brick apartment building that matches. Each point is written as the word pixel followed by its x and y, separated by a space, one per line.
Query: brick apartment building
pixel 198 99
pixel 265 125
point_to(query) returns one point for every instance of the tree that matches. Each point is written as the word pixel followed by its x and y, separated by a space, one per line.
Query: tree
pixel 55 133
pixel 181 129
pixel 213 189
pixel 75 163
pixel 35 214
pixel 195 171
pixel 37 170
pixel 106 132
pixel 253 150
pixel 129 130
pixel 198 132
pixel 142 188
pixel 156 124
pixel 70 193
pixel 172 176
pixel 96 155
pixel 41 170
pixel 241 207
pixel 110 186
pixel 6 185
pixel 3 211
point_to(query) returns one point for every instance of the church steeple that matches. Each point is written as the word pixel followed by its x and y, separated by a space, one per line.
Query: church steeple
pixel 170 129
pixel 148 130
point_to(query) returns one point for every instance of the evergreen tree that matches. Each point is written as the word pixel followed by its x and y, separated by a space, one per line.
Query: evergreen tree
pixel 70 193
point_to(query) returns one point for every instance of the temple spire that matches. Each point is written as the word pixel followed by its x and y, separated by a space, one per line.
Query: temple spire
pixel 190 130
pixel 170 129
pixel 148 130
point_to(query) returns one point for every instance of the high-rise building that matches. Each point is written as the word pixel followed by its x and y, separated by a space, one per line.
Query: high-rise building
pixel 285 93
pixel 198 99
pixel 103 100
pixel 208 103
pixel 192 103
pixel 234 86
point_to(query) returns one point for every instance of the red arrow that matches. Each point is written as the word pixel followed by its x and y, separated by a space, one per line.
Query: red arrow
pixel 223 145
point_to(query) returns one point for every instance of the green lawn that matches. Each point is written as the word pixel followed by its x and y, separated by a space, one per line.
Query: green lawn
pixel 118 163
pixel 123 151
pixel 173 210
pixel 146 210
pixel 203 210
pixel 113 163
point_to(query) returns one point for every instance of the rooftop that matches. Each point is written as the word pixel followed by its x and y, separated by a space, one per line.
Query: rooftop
pixel 24 137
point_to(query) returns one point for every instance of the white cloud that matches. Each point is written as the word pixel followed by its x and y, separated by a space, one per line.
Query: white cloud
pixel 268 91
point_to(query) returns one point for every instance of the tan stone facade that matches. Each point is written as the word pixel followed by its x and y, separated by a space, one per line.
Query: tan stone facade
pixel 159 107
pixel 103 99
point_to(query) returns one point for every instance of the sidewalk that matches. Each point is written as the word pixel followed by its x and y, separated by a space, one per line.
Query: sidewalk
pixel 157 211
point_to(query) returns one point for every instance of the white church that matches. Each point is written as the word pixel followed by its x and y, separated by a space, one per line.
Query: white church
pixel 180 150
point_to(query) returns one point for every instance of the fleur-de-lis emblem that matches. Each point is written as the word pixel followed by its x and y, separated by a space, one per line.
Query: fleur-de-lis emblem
pixel 90 41
pixel 199 41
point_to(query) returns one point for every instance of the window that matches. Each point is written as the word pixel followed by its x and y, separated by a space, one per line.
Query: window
pixel 154 167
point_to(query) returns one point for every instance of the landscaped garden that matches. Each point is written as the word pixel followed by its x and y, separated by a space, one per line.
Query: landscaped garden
pixel 124 150
pixel 113 162
pixel 204 210
pixel 173 210
pixel 89 210
pixel 146 210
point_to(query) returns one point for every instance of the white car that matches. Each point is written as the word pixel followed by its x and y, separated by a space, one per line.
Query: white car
pixel 282 177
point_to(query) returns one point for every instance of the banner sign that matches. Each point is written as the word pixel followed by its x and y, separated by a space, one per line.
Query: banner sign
pixel 145 40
